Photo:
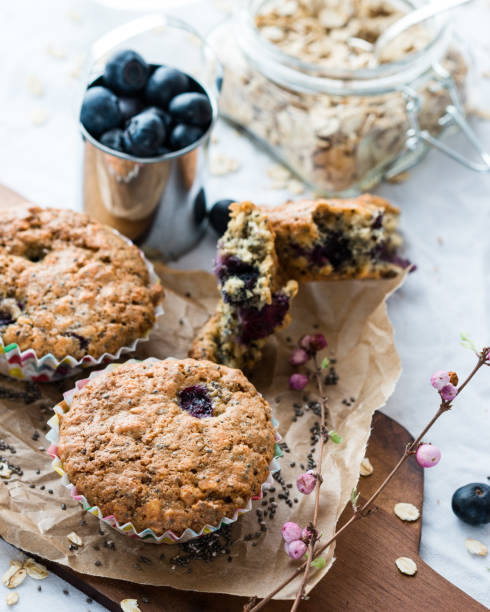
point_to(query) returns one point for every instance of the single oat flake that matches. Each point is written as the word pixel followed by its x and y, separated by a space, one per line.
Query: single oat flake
pixel 476 548
pixel 366 468
pixel 35 570
pixel 5 471
pixel 406 512
pixel 130 605
pixel 220 164
pixel 406 566
pixel 39 116
pixel 75 538
pixel 12 598
pixel 15 575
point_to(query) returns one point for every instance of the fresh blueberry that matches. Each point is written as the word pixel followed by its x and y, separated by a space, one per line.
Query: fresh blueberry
pixel 164 84
pixel 100 110
pixel 184 135
pixel 191 108
pixel 471 503
pixel 126 72
pixel 130 106
pixel 114 139
pixel 144 135
pixel 165 117
pixel 219 215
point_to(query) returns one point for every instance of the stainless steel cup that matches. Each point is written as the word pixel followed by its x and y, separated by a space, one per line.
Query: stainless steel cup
pixel 158 202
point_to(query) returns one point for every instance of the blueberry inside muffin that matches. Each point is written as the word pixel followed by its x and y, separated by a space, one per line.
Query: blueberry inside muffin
pixel 69 286
pixel 255 301
pixel 168 445
pixel 336 239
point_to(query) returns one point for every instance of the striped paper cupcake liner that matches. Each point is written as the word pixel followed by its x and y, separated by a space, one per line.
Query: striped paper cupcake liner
pixel 26 365
pixel 147 535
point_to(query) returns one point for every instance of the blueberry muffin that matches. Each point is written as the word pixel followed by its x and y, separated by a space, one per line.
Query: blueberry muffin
pixel 254 300
pixel 337 238
pixel 69 286
pixel 167 445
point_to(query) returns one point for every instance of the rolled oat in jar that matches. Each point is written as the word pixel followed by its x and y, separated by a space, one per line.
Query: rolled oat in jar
pixel 300 77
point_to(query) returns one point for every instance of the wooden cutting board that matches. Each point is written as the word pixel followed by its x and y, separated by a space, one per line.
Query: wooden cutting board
pixel 363 578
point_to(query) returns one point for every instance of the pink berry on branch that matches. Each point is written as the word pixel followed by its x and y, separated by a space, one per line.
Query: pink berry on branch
pixel 295 549
pixel 313 343
pixel 448 392
pixel 298 357
pixel 428 455
pixel 297 382
pixel 291 531
pixel 306 483
pixel 439 379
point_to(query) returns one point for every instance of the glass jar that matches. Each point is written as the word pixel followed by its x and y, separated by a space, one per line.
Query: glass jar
pixel 341 130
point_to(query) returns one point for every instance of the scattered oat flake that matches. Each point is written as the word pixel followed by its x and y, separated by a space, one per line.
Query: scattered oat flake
pixel 130 605
pixel 76 68
pixel 14 576
pixel 406 566
pixel 34 85
pixel 278 173
pixel 295 186
pixel 221 164
pixel 35 570
pixel 12 598
pixel 55 51
pixel 5 471
pixel 475 547
pixel 74 16
pixel 39 116
pixel 399 178
pixel 366 468
pixel 75 538
pixel 406 512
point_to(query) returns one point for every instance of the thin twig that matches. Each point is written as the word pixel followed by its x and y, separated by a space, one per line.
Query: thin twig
pixel 361 512
pixel 319 480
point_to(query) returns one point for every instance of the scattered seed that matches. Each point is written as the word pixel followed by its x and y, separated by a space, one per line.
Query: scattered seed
pixel 366 467
pixel 74 538
pixel 406 566
pixel 406 512
pixel 475 547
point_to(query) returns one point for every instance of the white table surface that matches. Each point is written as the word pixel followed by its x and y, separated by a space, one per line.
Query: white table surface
pixel 445 220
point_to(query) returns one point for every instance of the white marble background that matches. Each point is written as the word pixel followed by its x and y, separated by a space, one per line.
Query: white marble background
pixel 445 220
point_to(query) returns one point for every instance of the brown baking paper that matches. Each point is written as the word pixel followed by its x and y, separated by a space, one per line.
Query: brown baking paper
pixel 351 314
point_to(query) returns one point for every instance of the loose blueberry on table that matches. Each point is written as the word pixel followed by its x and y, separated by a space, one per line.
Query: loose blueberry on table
pixel 145 110
pixel 471 503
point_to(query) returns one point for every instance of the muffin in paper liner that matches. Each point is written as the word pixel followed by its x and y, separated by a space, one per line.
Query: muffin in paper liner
pixel 26 365
pixel 147 535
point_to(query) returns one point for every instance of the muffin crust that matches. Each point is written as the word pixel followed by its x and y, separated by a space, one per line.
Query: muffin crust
pixel 132 445
pixel 70 286
pixel 335 239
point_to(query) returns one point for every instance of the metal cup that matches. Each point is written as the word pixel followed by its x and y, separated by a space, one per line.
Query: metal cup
pixel 159 202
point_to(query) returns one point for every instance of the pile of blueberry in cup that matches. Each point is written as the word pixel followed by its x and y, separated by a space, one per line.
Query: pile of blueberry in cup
pixel 145 110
